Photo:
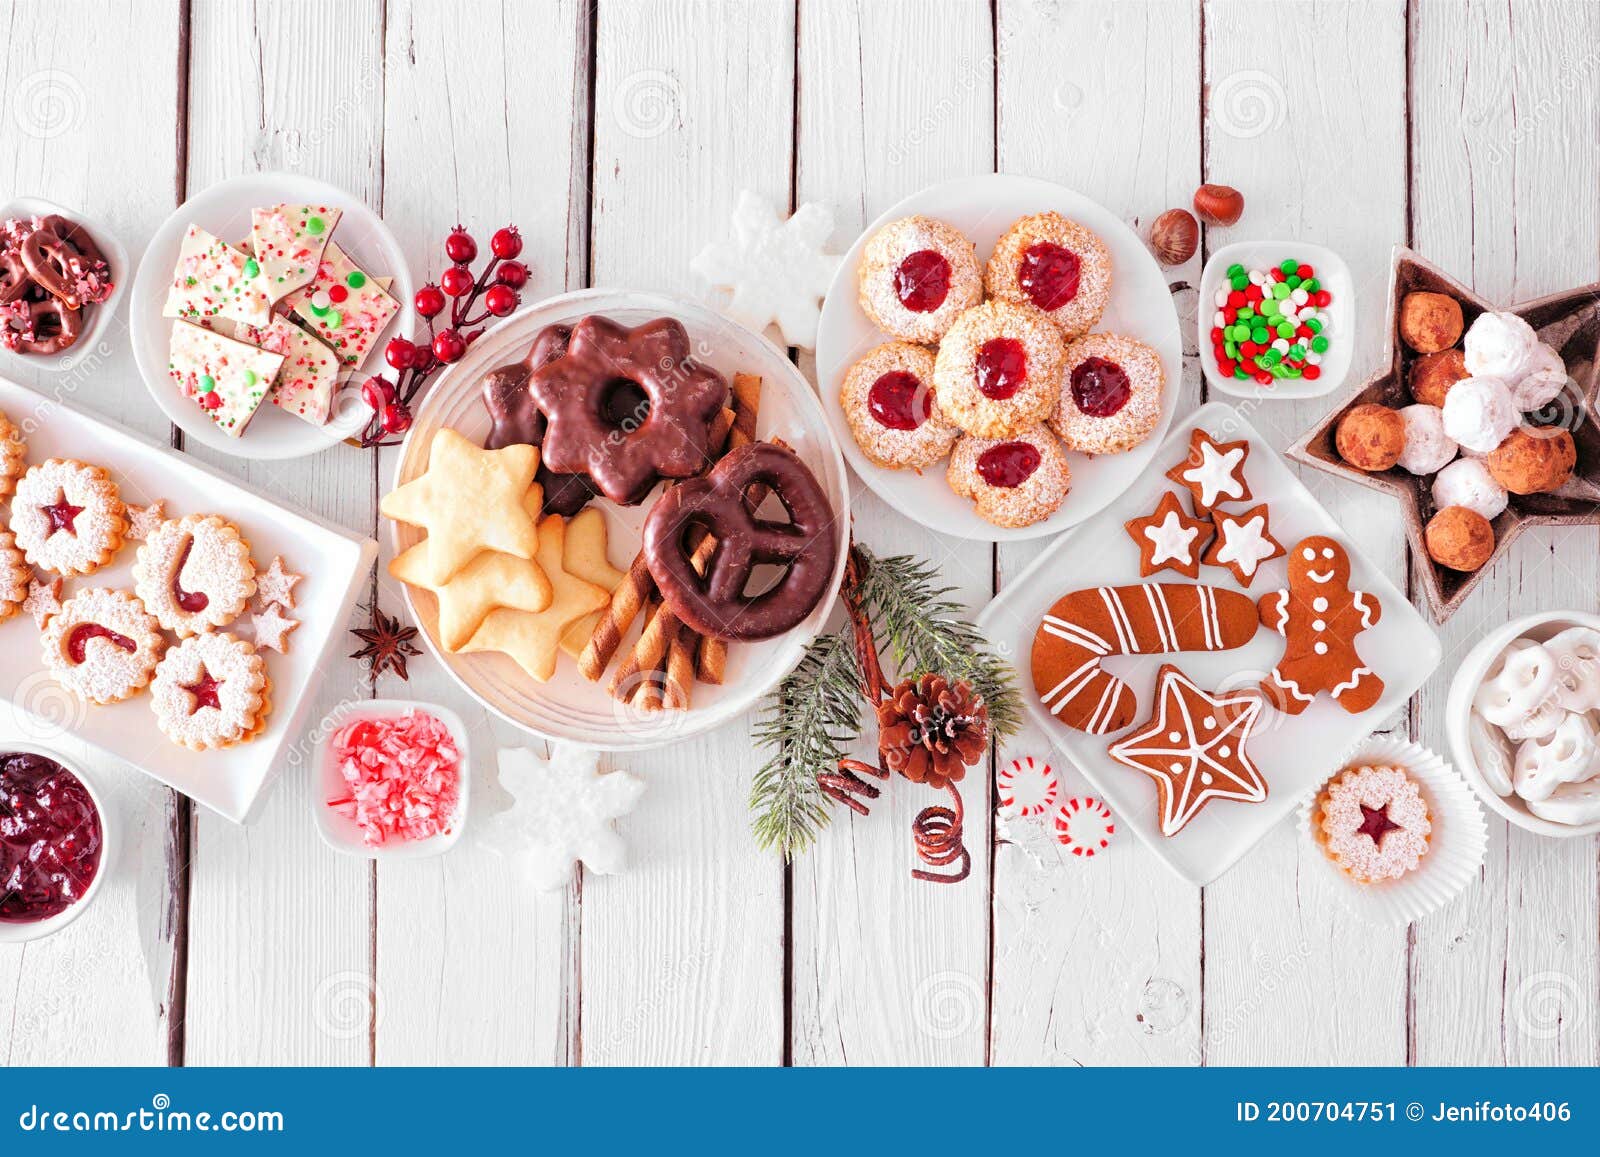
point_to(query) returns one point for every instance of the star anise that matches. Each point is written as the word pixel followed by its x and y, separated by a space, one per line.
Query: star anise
pixel 388 644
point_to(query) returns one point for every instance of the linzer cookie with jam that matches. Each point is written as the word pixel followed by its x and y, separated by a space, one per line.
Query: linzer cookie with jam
pixel 1056 266
pixel 102 645
pixel 211 691
pixel 917 275
pixel 1015 481
pixel 998 370
pixel 888 400
pixel 1110 398
pixel 68 517
pixel 194 573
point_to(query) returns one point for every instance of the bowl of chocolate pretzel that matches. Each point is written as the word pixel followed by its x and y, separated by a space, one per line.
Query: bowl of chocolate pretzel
pixel 61 278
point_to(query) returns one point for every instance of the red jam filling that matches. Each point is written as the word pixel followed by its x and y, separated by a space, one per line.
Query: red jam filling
pixel 1049 274
pixel 1100 387
pixel 1009 464
pixel 204 692
pixel 192 601
pixel 922 281
pixel 1375 823
pixel 899 401
pixel 49 838
pixel 1000 367
pixel 62 515
pixel 78 639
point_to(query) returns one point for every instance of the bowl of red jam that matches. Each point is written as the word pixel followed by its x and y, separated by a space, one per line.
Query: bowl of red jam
pixel 53 848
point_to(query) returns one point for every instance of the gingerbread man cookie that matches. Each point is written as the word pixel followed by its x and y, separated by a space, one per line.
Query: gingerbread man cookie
pixel 1320 616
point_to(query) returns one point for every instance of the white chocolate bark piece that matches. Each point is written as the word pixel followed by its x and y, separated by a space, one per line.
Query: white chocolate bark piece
pixel 288 241
pixel 212 279
pixel 228 379
pixel 344 307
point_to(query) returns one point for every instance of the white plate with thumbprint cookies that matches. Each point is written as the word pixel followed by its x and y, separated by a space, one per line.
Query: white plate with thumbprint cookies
pixel 999 357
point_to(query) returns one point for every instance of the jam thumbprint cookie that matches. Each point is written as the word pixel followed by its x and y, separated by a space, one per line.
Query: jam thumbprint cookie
pixel 14 576
pixel 1014 482
pixel 68 517
pixel 12 451
pixel 1110 397
pixel 211 691
pixel 194 573
pixel 1054 265
pixel 1373 823
pixel 888 400
pixel 998 370
pixel 917 275
pixel 102 645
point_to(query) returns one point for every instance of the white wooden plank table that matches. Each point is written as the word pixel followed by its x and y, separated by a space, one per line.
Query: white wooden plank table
pixel 617 134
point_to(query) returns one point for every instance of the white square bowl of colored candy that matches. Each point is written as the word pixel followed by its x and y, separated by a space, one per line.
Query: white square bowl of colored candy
pixel 1305 356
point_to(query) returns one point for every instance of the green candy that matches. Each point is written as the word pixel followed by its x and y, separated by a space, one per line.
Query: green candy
pixel 1259 336
pixel 251 268
pixel 1231 349
pixel 1280 291
pixel 1314 325
pixel 1239 281
pixel 1269 308
pixel 1297 352
pixel 1235 270
pixel 1319 344
pixel 249 378
pixel 1292 282
pixel 315 225
pixel 1286 329
pixel 355 279
pixel 1311 285
pixel 335 319
pixel 207 383
pixel 1289 265
pixel 1279 371
pixel 1240 372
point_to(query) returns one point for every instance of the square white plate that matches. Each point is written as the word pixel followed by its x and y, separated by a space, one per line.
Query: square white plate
pixel 335 564
pixel 1294 753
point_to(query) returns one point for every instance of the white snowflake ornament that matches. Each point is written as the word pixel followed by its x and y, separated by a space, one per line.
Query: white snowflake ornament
pixel 563 812
pixel 774 271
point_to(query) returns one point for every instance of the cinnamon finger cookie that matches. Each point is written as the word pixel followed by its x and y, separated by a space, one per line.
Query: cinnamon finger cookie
pixel 12 450
pixel 998 370
pixel 1110 397
pixel 14 576
pixel 68 517
pixel 211 691
pixel 1054 265
pixel 888 400
pixel 102 645
pixel 917 275
pixel 194 573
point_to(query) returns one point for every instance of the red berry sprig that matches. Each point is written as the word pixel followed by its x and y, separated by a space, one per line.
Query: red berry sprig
pixel 497 286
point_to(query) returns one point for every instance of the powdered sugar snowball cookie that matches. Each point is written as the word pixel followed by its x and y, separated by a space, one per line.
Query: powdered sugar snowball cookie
pixel 1054 265
pixel 1027 787
pixel 887 398
pixel 1110 397
pixel 68 517
pixel 1373 823
pixel 211 691
pixel 194 573
pixel 998 370
pixel 1498 345
pixel 1084 826
pixel 1542 381
pixel 1479 413
pixel 12 452
pixel 1428 448
pixel 15 575
pixel 102 645
pixel 1013 482
pixel 1467 482
pixel 917 275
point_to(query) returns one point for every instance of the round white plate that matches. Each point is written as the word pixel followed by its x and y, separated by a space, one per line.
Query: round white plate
pixel 224 209
pixel 569 706
pixel 984 208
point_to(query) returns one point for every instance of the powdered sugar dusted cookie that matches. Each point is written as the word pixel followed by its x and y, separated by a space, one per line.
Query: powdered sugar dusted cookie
pixel 211 691
pixel 998 370
pixel 1169 539
pixel 1053 265
pixel 1373 823
pixel 68 517
pixel 1243 543
pixel 194 573
pixel 917 275
pixel 102 645
pixel 12 452
pixel 14 576
pixel 887 398
pixel 1110 398
pixel 1015 482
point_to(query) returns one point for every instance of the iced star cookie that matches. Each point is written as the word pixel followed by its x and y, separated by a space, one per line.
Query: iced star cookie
pixel 998 370
pixel 1169 539
pixel 1243 543
pixel 68 517
pixel 888 400
pixel 1213 471
pixel 1056 266
pixel 917 275
pixel 15 575
pixel 194 573
pixel 102 645
pixel 1015 482
pixel 1110 397
pixel 211 691
pixel 12 452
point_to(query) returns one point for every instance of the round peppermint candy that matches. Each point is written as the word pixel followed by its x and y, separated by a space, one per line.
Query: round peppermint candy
pixel 1027 788
pixel 1083 826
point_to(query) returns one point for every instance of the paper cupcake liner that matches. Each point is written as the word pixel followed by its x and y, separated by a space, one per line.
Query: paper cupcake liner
pixel 1456 846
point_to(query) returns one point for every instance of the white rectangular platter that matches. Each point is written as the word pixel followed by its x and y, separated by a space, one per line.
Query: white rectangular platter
pixel 335 564
pixel 1295 754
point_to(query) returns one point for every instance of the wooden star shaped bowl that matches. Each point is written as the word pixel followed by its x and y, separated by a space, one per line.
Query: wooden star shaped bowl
pixel 1569 322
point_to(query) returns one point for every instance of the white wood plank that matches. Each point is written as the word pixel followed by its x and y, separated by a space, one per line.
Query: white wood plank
pixel 280 961
pixel 469 972
pixel 683 955
pixel 97 993
pixel 1098 962
pixel 1503 133
pixel 1315 140
pixel 888 969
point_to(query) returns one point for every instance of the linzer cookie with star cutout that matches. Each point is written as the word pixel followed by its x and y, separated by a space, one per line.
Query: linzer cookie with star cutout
pixel 194 573
pixel 211 691
pixel 102 645
pixel 67 517
pixel 1373 823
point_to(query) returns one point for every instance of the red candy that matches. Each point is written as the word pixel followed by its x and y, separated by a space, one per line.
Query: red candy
pixel 403 775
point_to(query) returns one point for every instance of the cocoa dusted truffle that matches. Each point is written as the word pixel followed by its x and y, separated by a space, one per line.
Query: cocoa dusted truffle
pixel 1430 322
pixel 1533 460
pixel 1371 437
pixel 1460 539
pixel 1433 374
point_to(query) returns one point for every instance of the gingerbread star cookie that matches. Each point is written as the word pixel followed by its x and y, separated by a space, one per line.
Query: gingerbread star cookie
pixel 585 556
pixel 469 500
pixel 1243 543
pixel 533 639
pixel 1194 748
pixel 1213 471
pixel 1169 539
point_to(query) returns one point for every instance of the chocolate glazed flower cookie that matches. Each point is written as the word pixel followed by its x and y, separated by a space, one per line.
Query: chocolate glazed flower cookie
pixel 629 407
pixel 195 573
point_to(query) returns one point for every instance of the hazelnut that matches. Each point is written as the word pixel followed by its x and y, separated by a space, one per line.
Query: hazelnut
pixel 1218 204
pixel 1459 538
pixel 1533 460
pixel 1371 437
pixel 1430 322
pixel 1174 236
pixel 1433 374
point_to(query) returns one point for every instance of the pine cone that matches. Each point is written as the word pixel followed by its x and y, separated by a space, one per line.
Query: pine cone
pixel 930 730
